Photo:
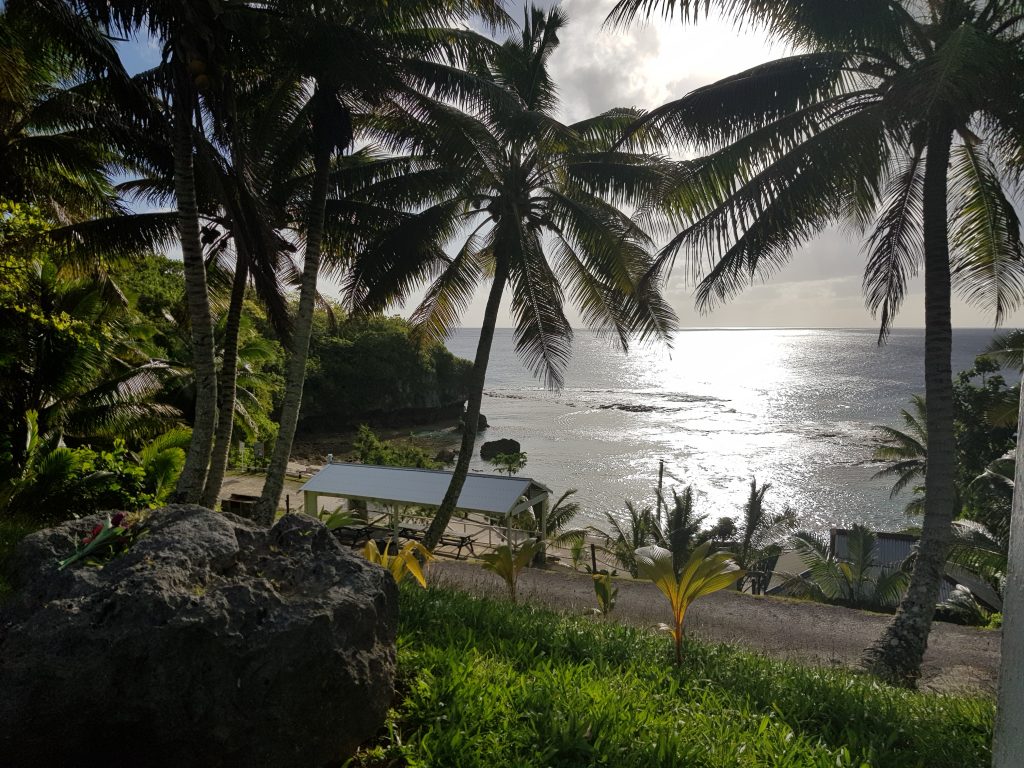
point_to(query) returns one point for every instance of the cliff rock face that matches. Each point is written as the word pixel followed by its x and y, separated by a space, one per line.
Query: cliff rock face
pixel 211 642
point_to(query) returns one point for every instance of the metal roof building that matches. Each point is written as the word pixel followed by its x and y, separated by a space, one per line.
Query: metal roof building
pixel 489 494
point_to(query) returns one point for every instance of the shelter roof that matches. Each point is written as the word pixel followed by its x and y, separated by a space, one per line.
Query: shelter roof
pixel 490 494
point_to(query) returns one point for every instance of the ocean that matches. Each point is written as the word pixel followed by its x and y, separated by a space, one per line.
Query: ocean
pixel 791 407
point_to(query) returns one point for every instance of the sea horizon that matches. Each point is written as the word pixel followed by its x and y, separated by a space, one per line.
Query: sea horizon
pixel 793 407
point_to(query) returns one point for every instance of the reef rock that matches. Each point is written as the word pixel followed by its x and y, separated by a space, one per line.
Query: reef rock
pixel 506 445
pixel 211 642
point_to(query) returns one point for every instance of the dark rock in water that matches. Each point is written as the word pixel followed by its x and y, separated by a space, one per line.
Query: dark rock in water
pixel 481 424
pixel 211 642
pixel 489 450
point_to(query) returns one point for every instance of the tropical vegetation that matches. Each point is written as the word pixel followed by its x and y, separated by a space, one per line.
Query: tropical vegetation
pixel 892 106
pixel 531 204
pixel 398 149
pixel 485 682
pixel 858 579
pixel 703 573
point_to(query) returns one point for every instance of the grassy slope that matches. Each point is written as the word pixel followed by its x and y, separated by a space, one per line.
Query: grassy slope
pixel 483 683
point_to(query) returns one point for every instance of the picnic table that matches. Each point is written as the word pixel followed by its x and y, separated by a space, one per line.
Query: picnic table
pixel 358 534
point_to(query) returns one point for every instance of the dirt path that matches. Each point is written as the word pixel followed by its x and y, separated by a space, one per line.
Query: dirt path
pixel 960 659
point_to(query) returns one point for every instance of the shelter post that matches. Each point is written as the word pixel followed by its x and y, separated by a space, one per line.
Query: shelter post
pixel 310 500
pixel 540 512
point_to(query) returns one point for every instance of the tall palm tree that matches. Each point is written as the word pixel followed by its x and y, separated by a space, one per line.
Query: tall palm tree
pixel 503 177
pixel 197 39
pixel 354 59
pixel 884 116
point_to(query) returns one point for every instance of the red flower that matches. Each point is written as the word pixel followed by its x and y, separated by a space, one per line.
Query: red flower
pixel 92 534
pixel 117 519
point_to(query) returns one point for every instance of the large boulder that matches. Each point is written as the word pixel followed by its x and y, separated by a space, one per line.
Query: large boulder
pixel 210 642
pixel 491 449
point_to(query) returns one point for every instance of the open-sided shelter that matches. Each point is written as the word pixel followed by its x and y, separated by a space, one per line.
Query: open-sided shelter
pixel 493 495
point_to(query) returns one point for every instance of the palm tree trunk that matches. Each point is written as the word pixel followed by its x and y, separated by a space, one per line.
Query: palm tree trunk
pixel 266 507
pixel 897 655
pixel 193 475
pixel 1008 742
pixel 226 387
pixel 476 395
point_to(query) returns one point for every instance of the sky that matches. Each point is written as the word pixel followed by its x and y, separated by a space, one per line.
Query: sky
pixel 650 63
pixel 646 65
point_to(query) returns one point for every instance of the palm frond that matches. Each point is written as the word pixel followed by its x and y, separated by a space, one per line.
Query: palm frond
pixel 987 258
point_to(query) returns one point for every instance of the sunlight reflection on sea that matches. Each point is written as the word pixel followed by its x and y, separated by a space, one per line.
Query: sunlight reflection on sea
pixel 790 407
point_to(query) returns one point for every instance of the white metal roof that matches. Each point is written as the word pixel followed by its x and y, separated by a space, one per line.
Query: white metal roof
pixel 492 494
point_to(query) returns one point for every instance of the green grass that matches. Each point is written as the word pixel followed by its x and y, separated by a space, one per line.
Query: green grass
pixel 484 683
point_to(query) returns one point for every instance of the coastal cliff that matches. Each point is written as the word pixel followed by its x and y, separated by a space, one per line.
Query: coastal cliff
pixel 379 371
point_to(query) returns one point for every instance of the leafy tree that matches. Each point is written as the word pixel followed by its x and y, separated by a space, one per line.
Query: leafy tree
pixel 985 428
pixel 372 369
pixel 54 149
pixel 536 199
pixel 70 353
pixel 510 463
pixel 885 116
pixel 982 438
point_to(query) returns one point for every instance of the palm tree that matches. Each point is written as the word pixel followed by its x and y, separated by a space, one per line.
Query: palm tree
pixel 198 39
pixel 509 174
pixel 885 117
pixel 353 62
pixel 858 580
pixel 760 535
pixel 684 527
pixel 76 364
pixel 53 149
pixel 560 518
pixel 638 529
pixel 1007 349
pixel 905 453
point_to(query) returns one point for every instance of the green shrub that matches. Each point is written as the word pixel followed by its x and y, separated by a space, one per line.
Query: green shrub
pixel 370 449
